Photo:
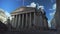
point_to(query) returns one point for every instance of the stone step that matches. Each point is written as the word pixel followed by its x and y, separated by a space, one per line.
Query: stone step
pixel 34 32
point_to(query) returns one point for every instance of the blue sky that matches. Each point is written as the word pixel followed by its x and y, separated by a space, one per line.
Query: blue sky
pixel 48 5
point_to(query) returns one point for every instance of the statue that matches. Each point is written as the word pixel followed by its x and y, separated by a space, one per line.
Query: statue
pixel 37 5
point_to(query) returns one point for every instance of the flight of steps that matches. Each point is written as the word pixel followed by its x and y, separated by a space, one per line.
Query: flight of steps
pixel 30 32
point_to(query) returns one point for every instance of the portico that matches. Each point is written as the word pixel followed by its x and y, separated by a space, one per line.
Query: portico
pixel 27 17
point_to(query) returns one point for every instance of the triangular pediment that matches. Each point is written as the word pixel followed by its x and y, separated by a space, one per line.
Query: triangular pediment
pixel 23 9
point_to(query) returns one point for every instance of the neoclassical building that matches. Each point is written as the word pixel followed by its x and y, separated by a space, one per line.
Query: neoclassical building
pixel 29 17
pixel 53 23
pixel 3 16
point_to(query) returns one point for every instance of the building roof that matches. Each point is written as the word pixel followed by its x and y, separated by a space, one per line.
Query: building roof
pixel 23 9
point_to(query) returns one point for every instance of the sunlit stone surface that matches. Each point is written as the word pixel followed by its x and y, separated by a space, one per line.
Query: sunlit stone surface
pixel 3 16
pixel 29 18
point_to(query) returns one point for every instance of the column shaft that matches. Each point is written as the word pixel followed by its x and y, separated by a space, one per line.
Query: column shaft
pixel 30 20
pixel 15 20
pixel 22 20
pixel 26 20
pixel 19 20
pixel 34 17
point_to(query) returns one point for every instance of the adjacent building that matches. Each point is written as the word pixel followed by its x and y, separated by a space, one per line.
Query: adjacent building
pixel 57 14
pixel 53 23
pixel 3 16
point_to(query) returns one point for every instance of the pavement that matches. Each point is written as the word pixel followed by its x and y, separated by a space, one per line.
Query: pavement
pixel 12 31
pixel 29 32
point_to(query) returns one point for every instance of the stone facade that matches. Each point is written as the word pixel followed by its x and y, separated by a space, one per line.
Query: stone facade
pixel 53 23
pixel 3 16
pixel 28 17
pixel 57 14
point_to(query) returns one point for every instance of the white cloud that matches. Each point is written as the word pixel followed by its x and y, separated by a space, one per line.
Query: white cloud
pixel 41 7
pixel 8 15
pixel 54 10
pixel 52 14
pixel 54 6
pixel 33 4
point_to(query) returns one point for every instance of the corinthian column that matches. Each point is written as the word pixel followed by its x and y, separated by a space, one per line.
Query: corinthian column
pixel 19 20
pixel 30 21
pixel 22 20
pixel 26 20
pixel 34 17
pixel 15 20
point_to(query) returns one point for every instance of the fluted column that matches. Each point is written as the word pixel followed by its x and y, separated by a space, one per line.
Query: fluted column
pixel 34 17
pixel 22 20
pixel 15 20
pixel 17 17
pixel 19 20
pixel 26 20
pixel 34 21
pixel 30 21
